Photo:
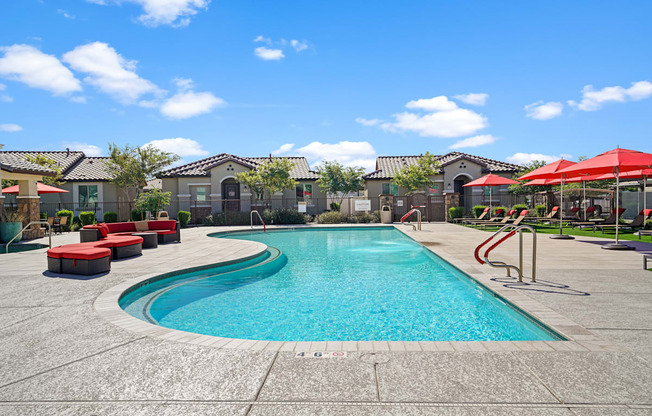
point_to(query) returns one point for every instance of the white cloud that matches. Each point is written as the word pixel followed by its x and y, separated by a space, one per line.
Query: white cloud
pixel 593 99
pixel 66 14
pixel 299 46
pixel 441 103
pixel 269 54
pixel 180 146
pixel 30 66
pixel 190 104
pixel 176 13
pixel 345 152
pixel 473 98
pixel 4 97
pixel 544 111
pixel 285 148
pixel 456 123
pixel 88 149
pixel 261 38
pixel 2 87
pixel 368 122
pixel 10 128
pixel 474 141
pixel 110 72
pixel 184 84
pixel 522 158
pixel 78 99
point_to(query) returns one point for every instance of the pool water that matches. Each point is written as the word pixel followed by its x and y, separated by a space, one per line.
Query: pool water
pixel 17 248
pixel 361 284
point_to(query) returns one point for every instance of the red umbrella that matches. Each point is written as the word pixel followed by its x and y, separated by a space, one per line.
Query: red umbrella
pixel 542 182
pixel 41 188
pixel 552 171
pixel 616 161
pixel 491 180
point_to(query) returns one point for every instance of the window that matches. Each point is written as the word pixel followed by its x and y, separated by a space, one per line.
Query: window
pixel 304 192
pixel 87 196
pixel 390 189
pixel 201 193
pixel 434 189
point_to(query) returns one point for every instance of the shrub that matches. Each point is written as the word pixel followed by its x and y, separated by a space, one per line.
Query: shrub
pixel 518 208
pixel 76 220
pixel 478 210
pixel 66 213
pixel 365 218
pixel 541 210
pixel 502 214
pixel 648 224
pixel 44 215
pixel 110 216
pixel 332 217
pixel 376 215
pixel 182 216
pixel 208 220
pixel 308 218
pixel 352 220
pixel 87 218
pixel 75 227
pixel 231 218
pixel 288 216
pixel 138 215
pixel 455 212
pixel 335 206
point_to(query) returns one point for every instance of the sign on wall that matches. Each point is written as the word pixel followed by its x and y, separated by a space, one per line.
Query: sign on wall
pixel 363 205
pixel 301 205
pixel 399 203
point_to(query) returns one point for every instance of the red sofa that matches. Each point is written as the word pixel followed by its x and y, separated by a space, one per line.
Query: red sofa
pixel 168 231
pixel 93 257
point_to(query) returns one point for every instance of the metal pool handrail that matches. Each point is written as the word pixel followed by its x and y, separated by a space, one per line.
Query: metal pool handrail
pixel 519 269
pixel 251 217
pixel 25 227
pixel 410 212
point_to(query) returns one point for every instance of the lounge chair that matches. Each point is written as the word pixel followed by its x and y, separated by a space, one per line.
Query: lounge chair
pixel 638 222
pixel 497 218
pixel 551 215
pixel 591 224
pixel 506 220
pixel 481 217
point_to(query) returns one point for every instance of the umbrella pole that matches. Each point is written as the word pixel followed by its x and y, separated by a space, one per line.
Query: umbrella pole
pixel 561 235
pixel 584 198
pixel 491 213
pixel 617 245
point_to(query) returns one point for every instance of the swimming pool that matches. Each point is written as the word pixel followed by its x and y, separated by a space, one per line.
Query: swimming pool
pixel 20 247
pixel 342 284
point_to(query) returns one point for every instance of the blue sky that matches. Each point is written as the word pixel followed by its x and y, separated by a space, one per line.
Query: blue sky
pixel 329 80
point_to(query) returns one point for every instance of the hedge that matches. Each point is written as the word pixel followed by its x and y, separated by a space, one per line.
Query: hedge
pixel 66 213
pixel 87 218
pixel 455 212
pixel 110 216
pixel 478 210
pixel 541 210
pixel 182 216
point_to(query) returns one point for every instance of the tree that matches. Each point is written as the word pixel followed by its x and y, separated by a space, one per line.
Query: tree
pixel 417 177
pixel 528 190
pixel 337 181
pixel 153 201
pixel 47 162
pixel 131 167
pixel 270 177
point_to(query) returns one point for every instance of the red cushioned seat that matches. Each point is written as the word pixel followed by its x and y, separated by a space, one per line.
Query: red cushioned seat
pixel 162 225
pixel 121 227
pixel 123 240
pixel 88 253
pixel 57 252
pixel 163 231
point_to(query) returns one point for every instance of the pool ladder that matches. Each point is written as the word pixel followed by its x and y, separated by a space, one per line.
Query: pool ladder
pixel 26 227
pixel 251 217
pixel 519 269
pixel 410 212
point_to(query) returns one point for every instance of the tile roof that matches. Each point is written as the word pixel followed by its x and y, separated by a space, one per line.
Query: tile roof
pixel 63 158
pixel 14 163
pixel 88 169
pixel 387 166
pixel 202 167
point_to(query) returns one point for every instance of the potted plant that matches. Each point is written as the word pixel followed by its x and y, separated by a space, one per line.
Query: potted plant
pixel 11 223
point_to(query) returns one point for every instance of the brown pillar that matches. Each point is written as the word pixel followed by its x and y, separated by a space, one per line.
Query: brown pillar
pixel 30 207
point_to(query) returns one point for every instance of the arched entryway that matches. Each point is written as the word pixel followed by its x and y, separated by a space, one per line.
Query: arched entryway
pixel 458 186
pixel 231 194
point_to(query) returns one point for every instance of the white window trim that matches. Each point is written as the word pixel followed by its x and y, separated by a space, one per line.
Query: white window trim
pixel 75 193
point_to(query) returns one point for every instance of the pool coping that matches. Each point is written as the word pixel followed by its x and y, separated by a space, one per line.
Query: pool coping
pixel 578 338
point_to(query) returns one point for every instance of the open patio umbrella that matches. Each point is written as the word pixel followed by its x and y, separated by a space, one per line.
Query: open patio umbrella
pixel 616 162
pixel 491 180
pixel 552 171
pixel 41 188
pixel 633 174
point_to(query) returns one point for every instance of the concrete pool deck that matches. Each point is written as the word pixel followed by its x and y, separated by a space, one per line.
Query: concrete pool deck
pixel 59 356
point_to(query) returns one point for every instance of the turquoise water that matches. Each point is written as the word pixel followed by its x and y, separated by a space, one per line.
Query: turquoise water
pixel 17 248
pixel 333 284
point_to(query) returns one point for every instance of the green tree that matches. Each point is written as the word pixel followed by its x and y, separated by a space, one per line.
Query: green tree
pixel 153 201
pixel 417 177
pixel 337 181
pixel 270 177
pixel 131 167
pixel 47 162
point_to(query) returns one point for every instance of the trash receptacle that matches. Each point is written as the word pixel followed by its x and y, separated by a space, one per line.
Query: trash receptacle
pixel 386 214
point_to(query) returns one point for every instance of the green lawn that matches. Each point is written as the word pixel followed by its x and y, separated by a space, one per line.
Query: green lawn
pixel 609 234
